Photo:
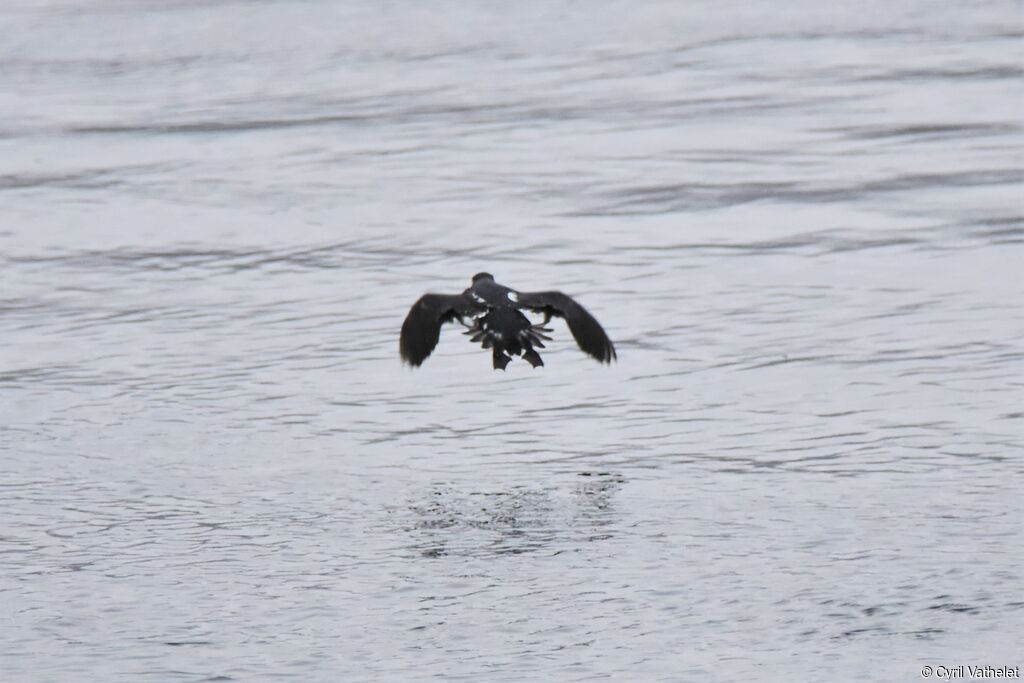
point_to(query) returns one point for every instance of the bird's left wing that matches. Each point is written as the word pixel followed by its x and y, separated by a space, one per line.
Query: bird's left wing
pixel 422 327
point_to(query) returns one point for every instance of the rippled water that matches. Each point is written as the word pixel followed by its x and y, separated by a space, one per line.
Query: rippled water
pixel 801 223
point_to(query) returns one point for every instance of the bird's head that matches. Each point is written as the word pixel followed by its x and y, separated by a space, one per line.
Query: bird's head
pixel 482 276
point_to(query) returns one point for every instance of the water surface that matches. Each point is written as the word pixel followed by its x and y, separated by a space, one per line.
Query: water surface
pixel 802 225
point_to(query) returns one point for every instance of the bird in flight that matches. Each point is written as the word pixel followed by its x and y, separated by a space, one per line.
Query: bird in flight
pixel 498 323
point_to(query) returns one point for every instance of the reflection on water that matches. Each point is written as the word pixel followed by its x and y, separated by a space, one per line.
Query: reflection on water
pixel 802 227
pixel 517 521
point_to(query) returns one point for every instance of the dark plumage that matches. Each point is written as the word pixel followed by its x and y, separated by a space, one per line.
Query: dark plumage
pixel 497 322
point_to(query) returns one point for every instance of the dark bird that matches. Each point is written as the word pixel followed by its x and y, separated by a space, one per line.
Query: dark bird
pixel 497 322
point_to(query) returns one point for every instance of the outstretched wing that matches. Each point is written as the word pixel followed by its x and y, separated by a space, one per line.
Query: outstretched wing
pixel 422 327
pixel 588 332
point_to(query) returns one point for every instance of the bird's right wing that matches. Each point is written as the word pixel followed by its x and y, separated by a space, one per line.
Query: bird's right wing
pixel 422 327
pixel 589 334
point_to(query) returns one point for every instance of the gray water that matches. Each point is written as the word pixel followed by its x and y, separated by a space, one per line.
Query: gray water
pixel 802 224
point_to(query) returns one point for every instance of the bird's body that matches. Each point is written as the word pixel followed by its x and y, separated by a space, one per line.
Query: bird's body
pixel 499 324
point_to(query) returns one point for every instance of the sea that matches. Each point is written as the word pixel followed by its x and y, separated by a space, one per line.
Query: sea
pixel 801 223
